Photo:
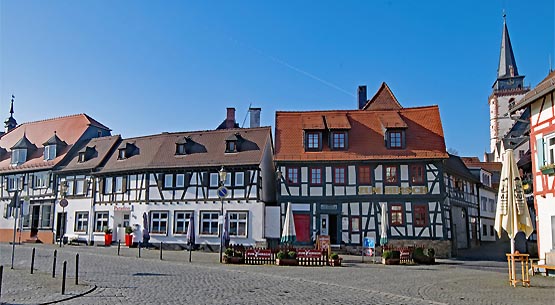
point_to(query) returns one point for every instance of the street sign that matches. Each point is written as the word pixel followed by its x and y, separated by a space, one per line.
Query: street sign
pixel 369 242
pixel 222 192
pixel 63 203
pixel 368 251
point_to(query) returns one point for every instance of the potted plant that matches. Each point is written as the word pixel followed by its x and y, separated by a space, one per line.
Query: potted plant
pixel 423 256
pixel 232 257
pixel 334 260
pixel 128 236
pixel 107 236
pixel 391 257
pixel 548 169
pixel 286 258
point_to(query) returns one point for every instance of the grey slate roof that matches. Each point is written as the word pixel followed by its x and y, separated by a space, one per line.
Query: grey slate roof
pixel 506 58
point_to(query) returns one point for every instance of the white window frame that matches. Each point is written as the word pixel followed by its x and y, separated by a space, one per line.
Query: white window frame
pixel 49 152
pixel 41 180
pixel 157 218
pixel 180 180
pixel 81 222
pixel 118 186
pixel 214 179
pixel 102 218
pixel 238 219
pixel 108 185
pixel 239 179
pixel 550 149
pixel 168 181
pixel 211 221
pixel 19 156
pixel 181 217
pixel 79 188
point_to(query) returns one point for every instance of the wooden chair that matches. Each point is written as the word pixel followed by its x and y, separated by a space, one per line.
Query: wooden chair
pixel 547 263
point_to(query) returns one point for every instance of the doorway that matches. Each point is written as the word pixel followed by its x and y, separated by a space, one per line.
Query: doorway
pixel 328 226
pixel 60 225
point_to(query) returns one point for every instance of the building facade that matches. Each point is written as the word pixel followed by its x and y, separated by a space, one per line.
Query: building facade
pixel 337 167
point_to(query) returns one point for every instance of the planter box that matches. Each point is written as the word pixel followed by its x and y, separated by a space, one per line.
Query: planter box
pixel 548 171
pixel 426 260
pixel 233 260
pixel 128 240
pixel 107 239
pixel 335 262
pixel 391 261
pixel 287 262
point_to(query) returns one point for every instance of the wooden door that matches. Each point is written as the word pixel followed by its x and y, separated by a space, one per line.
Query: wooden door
pixel 302 227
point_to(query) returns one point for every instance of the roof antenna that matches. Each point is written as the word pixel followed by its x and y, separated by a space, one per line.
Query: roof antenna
pixel 248 111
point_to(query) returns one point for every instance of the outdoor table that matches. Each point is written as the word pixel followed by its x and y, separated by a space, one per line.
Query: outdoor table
pixel 512 259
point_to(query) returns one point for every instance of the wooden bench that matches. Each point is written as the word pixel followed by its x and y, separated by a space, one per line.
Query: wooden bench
pixel 549 263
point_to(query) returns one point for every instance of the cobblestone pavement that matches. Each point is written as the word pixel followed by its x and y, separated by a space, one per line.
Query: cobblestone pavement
pixel 128 279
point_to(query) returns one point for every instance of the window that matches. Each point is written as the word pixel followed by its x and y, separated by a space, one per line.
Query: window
pixel 338 140
pixel 231 147
pixel 108 185
pixel 19 156
pixel 417 174
pixel 41 180
pixel 239 179
pixel 39 217
pixel 119 185
pixel 419 215
pixel 339 174
pixel 395 139
pixel 180 149
pixel 82 157
pixel 391 174
pixel 313 141
pixel 181 222
pixel 491 231
pixel 80 187
pixel 179 180
pixel 484 204
pixel 484 230
pixel 69 186
pixel 293 175
pixel 491 205
pixel 396 214
pixel 49 152
pixel 364 175
pixel 100 221
pixel 159 222
pixel 355 224
pixel 81 221
pixel 214 180
pixel 238 224
pixel 209 223
pixel 126 220
pixel 168 181
pixel 121 154
pixel 551 150
pixel 11 182
pixel 316 176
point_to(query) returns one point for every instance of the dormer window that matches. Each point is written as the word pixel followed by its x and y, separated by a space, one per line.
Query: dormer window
pixel 49 152
pixel 231 143
pixel 313 141
pixel 127 150
pixel 182 145
pixel 180 149
pixel 395 139
pixel 121 154
pixel 19 156
pixel 81 157
pixel 339 140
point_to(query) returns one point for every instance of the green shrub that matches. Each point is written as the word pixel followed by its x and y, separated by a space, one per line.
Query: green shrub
pixel 281 255
pixel 334 256
pixel 292 254
pixel 229 252
pixel 387 254
pixel 107 230
pixel 395 254
pixel 128 230
pixel 430 252
pixel 418 252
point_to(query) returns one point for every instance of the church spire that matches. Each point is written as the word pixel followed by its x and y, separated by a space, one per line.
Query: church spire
pixel 507 64
pixel 10 123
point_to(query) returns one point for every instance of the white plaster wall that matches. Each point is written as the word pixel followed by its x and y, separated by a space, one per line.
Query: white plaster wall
pixel 546 209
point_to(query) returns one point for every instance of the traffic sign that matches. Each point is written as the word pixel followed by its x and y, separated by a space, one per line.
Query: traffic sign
pixel 223 192
pixel 63 203
pixel 369 242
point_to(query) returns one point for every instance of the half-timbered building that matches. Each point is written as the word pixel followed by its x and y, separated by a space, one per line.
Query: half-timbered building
pixel 337 167
pixel 158 182
pixel 29 153
pixel 541 104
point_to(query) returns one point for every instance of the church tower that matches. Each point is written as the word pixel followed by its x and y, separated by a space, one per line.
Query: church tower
pixel 508 89
pixel 10 123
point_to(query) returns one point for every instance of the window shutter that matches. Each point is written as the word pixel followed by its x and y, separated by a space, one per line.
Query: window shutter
pixel 160 181
pixel 247 177
pixel 403 139
pixel 6 211
pixel 540 150
pixel 86 186
pixel 124 184
pixel 32 181
pixel 187 181
pixel 101 185
pixel 386 136
pixel 205 179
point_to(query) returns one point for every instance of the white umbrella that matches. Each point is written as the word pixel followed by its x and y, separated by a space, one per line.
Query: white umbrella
pixel 191 235
pixel 383 225
pixel 288 236
pixel 512 212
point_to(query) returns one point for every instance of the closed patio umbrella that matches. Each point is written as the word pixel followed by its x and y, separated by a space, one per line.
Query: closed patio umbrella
pixel 146 234
pixel 225 236
pixel 191 234
pixel 512 211
pixel 383 225
pixel 288 235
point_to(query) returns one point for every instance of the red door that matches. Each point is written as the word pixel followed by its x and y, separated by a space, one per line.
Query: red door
pixel 302 227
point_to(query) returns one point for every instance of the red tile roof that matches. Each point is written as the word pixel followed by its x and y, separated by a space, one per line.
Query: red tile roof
pixel 313 122
pixel 424 135
pixel 383 100
pixel 474 162
pixel 207 149
pixel 68 129
pixel 337 121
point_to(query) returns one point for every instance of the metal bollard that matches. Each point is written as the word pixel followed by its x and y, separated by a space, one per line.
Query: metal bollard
pixel 1 276
pixel 32 260
pixel 161 250
pixel 64 278
pixel 139 249
pixel 77 269
pixel 54 264
pixel 118 246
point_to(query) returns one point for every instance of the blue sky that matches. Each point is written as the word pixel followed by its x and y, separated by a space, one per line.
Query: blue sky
pixel 144 67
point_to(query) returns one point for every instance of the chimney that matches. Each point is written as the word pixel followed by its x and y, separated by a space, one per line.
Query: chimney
pixel 230 119
pixel 362 98
pixel 255 117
